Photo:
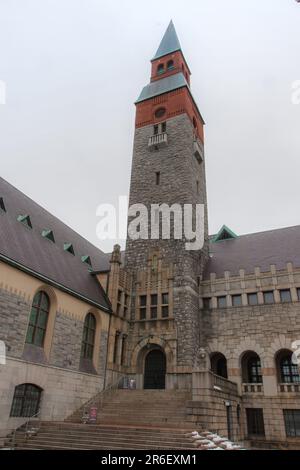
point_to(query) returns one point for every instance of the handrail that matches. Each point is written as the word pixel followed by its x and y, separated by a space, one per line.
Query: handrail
pixel 100 396
pixel 26 424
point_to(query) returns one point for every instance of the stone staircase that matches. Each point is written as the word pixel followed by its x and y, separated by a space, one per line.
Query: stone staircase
pixel 127 419
pixel 158 408
pixel 64 436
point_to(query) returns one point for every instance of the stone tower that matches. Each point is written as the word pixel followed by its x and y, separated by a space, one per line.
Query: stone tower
pixel 167 168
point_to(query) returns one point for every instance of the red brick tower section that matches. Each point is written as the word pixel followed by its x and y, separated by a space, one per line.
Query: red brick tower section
pixel 157 109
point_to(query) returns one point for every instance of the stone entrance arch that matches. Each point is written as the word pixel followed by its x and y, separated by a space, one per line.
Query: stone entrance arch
pixel 152 360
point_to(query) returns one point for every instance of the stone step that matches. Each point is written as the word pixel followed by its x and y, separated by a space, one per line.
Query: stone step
pixel 106 434
pixel 96 443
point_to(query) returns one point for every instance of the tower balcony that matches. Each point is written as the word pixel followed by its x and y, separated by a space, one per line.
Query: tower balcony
pixel 158 140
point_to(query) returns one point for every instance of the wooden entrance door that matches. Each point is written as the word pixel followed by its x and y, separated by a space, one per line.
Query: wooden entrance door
pixel 155 370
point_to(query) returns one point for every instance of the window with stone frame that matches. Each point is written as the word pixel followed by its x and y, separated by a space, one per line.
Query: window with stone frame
pixel 269 297
pixel 88 338
pixel 119 302
pixel 38 319
pixel 222 301
pixel 143 307
pixel 288 371
pixel 126 305
pixel 26 401
pixel 163 127
pixel 153 306
pixel 253 299
pixel 255 422
pixel 165 305
pixel 237 300
pixel 116 347
pixel 206 303
pixel 292 422
pixel 251 368
pixel 285 295
pixel 123 349
pixel 155 129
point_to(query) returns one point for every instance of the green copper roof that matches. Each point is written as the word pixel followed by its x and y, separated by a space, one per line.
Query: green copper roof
pixel 69 247
pixel 224 234
pixel 162 86
pixel 86 259
pixel 49 235
pixel 169 43
pixel 25 220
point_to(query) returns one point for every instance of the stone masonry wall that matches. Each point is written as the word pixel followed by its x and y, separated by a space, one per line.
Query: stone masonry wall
pixel 63 391
pixel 14 316
pixel 66 344
pixel 179 173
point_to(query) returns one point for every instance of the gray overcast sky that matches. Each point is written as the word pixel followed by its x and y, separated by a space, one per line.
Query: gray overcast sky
pixel 73 69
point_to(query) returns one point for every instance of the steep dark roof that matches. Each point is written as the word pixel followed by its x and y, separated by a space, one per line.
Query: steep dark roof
pixel 169 43
pixel 164 85
pixel 30 250
pixel 262 249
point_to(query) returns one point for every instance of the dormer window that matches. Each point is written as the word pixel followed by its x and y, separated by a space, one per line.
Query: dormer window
pixel 160 69
pixel 170 65
pixel 25 220
pixel 2 205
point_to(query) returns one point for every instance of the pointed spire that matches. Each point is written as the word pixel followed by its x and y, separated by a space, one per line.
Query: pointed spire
pixel 169 43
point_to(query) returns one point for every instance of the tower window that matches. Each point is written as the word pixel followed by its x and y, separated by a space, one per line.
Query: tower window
pixel 116 347
pixel 154 306
pixel 170 65
pixel 164 127
pixel 157 178
pixel 155 129
pixel 143 307
pixel 160 69
pixel 165 305
pixel 160 112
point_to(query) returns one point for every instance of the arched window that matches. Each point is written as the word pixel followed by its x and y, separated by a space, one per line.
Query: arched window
pixel 26 401
pixel 38 319
pixel 88 339
pixel 160 69
pixel 251 368
pixel 219 364
pixel 287 371
pixel 170 65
